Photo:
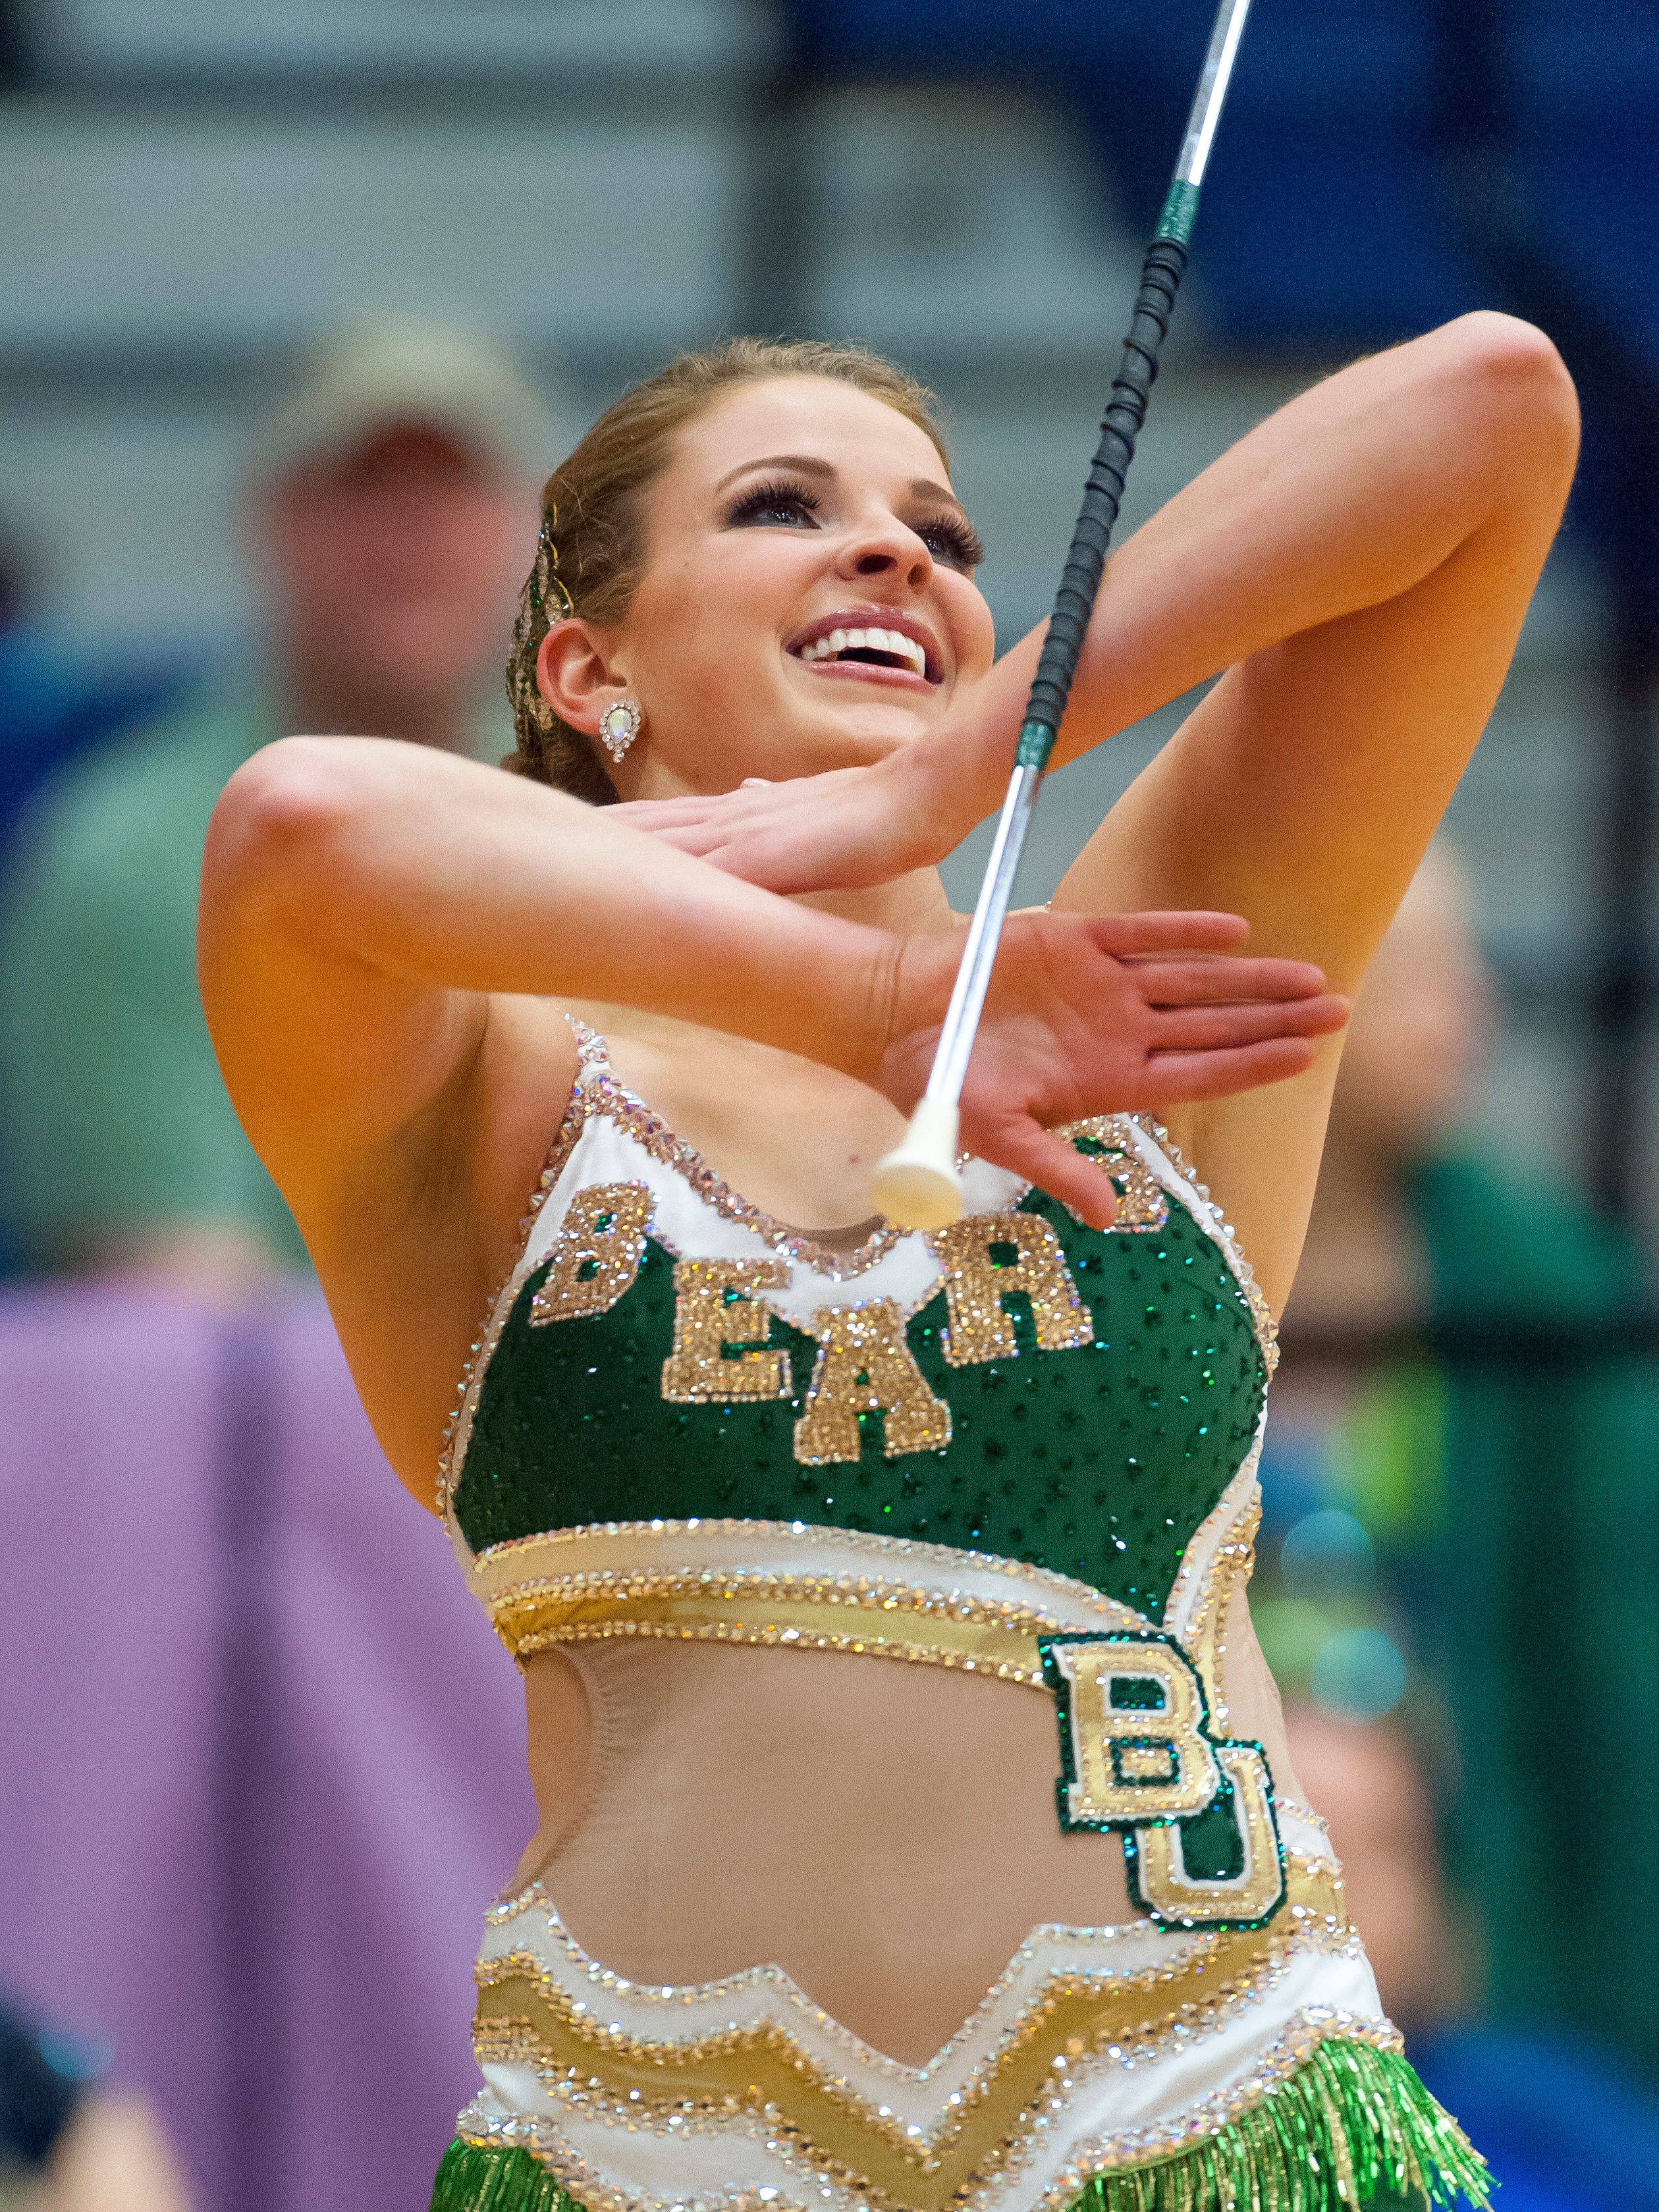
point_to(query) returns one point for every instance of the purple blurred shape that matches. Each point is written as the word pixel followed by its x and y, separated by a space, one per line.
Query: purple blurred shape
pixel 261 1759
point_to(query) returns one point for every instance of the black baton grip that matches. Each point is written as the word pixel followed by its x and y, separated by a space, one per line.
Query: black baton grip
pixel 1160 279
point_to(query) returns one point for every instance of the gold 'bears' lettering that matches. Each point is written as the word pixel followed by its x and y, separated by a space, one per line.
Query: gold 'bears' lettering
pixel 1132 1731
pixel 984 1258
pixel 713 1307
pixel 864 1366
pixel 596 1254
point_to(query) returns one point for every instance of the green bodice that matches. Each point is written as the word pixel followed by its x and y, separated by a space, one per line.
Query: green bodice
pixel 1098 1456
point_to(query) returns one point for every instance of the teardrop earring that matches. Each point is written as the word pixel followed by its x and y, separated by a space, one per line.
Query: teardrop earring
pixel 619 726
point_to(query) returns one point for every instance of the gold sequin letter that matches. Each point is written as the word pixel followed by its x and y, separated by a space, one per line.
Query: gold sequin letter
pixel 1131 1718
pixel 596 1254
pixel 990 1255
pixel 714 1307
pixel 864 1366
pixel 1143 1204
pixel 1161 1872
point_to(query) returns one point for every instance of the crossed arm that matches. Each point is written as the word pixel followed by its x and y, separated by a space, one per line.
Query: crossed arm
pixel 364 902
pixel 1360 565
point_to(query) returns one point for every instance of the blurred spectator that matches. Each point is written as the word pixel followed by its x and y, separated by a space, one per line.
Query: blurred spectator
pixel 389 513
pixel 1478 1511
pixel 1564 2127
pixel 67 2147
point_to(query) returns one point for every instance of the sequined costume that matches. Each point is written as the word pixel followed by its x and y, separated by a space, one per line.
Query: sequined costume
pixel 1020 1450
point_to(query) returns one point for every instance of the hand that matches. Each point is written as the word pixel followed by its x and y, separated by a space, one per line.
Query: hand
pixel 1103 1014
pixel 843 830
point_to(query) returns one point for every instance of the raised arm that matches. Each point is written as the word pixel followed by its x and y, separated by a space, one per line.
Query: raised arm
pixel 1362 562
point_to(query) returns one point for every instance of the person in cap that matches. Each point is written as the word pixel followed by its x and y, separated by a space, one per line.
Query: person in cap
pixel 387 494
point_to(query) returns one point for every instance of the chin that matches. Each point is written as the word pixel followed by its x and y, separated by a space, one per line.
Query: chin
pixel 870 734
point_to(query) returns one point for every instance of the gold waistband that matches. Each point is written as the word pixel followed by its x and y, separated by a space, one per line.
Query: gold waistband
pixel 809 1612
pixel 761 2068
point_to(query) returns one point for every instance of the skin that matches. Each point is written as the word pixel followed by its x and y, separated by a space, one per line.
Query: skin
pixel 113 2157
pixel 384 931
pixel 387 937
pixel 1360 567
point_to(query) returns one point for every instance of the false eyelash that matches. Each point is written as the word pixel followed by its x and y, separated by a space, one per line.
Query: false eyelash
pixel 967 547
pixel 781 491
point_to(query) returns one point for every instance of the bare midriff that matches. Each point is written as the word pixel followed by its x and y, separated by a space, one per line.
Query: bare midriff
pixel 885 1832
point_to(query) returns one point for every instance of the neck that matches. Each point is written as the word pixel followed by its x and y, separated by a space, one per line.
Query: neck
pixel 332 703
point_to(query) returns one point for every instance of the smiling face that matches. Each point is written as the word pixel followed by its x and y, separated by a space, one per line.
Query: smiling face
pixel 808 601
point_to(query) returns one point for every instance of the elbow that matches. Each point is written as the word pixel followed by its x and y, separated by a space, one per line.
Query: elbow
pixel 1523 403
pixel 280 810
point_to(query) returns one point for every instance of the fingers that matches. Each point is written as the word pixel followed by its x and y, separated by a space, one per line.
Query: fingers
pixel 1167 933
pixel 1025 1149
pixel 1208 1029
pixel 1210 980
pixel 1175 1078
pixel 657 814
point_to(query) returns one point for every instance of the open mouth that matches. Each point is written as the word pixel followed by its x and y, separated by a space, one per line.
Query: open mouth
pixel 848 643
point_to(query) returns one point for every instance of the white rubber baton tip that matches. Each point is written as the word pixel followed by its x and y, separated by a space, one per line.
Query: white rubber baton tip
pixel 917 1184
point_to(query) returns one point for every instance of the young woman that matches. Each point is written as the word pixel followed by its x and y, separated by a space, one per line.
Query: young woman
pixel 1035 1917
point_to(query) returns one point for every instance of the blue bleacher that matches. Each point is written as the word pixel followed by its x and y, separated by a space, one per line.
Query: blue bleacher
pixel 1335 216
pixel 1326 221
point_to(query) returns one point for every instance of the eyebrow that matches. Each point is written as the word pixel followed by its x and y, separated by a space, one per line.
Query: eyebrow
pixel 807 465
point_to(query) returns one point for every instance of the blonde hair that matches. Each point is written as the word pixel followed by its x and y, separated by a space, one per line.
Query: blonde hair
pixel 591 554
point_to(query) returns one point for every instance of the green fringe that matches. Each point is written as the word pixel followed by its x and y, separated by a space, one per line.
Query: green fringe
pixel 485 2178
pixel 1348 2106
pixel 1352 2126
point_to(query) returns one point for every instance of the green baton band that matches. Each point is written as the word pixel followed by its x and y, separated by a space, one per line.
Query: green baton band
pixel 1036 742
pixel 1179 212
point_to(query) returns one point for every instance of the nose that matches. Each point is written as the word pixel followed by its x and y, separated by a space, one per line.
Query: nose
pixel 888 548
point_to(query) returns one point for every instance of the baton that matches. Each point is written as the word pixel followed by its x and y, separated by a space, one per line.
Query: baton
pixel 917 1185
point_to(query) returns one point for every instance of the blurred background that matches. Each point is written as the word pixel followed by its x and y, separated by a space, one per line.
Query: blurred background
pixel 261 1766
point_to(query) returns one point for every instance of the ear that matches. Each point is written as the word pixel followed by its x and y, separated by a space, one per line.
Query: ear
pixel 575 676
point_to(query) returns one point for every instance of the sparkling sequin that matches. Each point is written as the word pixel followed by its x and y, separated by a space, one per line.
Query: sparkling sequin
pixel 986 1258
pixel 1165 1882
pixel 1215 1224
pixel 1097 1462
pixel 1132 1729
pixel 596 1258
pixel 712 2057
pixel 1333 2113
pixel 715 1313
pixel 605 1095
pixel 1143 1204
pixel 864 1366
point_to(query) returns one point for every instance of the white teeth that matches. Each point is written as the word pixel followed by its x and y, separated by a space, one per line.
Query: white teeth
pixel 868 640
